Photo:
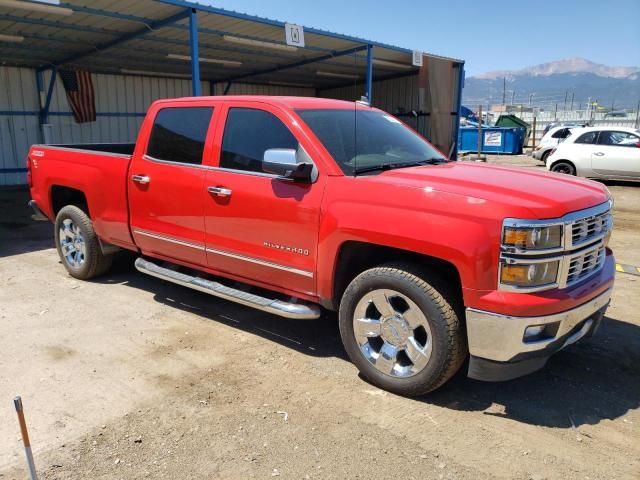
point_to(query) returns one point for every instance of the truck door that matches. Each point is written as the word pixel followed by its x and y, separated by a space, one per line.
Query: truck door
pixel 259 226
pixel 165 184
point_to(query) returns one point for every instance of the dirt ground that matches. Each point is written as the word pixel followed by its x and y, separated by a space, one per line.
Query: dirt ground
pixel 129 377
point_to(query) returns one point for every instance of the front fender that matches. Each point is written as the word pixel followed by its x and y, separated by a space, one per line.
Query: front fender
pixel 462 230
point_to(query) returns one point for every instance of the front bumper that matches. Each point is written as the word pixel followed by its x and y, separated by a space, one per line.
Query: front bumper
pixel 537 154
pixel 497 346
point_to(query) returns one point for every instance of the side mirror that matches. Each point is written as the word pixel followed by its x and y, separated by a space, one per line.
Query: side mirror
pixel 284 162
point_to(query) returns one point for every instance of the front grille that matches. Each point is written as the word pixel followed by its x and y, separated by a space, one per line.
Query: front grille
pixel 583 264
pixel 589 229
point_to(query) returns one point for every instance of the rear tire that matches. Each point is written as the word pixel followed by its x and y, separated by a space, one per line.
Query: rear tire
pixel 564 167
pixel 399 327
pixel 78 245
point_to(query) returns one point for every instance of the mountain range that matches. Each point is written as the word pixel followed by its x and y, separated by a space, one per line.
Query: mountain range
pixel 550 83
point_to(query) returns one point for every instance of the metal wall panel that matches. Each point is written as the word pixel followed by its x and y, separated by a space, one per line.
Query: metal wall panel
pixel 253 89
pixel 121 102
pixel 398 96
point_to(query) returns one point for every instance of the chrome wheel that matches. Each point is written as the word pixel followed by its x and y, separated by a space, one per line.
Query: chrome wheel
pixel 392 333
pixel 72 244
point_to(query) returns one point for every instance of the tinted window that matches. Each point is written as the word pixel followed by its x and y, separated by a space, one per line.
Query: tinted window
pixel 178 134
pixel 589 137
pixel 366 140
pixel 619 139
pixel 248 133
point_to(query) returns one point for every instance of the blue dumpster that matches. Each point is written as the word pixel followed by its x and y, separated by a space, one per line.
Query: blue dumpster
pixel 494 140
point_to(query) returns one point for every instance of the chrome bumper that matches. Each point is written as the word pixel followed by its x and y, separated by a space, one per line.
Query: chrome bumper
pixel 500 338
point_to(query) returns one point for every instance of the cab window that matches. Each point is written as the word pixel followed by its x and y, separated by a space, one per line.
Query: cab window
pixel 248 133
pixel 178 134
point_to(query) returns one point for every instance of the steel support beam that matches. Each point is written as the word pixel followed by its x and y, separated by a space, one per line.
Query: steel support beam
pixel 44 103
pixel 456 126
pixel 369 92
pixel 124 38
pixel 196 89
pixel 296 64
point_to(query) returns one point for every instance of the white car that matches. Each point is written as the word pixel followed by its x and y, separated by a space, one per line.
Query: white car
pixel 550 140
pixel 599 152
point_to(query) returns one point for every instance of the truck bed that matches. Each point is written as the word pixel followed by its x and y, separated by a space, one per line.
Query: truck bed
pixel 97 171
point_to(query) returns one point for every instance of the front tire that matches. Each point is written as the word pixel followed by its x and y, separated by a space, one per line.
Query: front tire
pixel 545 155
pixel 399 327
pixel 78 244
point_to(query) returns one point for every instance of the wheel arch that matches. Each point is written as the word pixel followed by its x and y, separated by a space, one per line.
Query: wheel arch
pixel 62 195
pixel 354 257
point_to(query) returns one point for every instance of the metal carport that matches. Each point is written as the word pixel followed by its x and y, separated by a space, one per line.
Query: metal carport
pixel 131 46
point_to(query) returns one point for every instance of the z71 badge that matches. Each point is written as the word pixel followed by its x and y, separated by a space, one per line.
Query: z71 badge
pixel 286 248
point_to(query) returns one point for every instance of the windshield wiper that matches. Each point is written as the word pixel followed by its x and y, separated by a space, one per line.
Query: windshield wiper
pixel 391 166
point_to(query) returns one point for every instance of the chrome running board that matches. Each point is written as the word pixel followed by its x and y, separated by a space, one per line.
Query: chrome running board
pixel 300 311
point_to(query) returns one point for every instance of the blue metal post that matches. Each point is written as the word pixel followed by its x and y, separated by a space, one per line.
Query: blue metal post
pixel 47 103
pixel 369 93
pixel 195 56
pixel 456 128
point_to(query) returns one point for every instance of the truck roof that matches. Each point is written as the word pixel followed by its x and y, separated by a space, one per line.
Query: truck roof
pixel 287 102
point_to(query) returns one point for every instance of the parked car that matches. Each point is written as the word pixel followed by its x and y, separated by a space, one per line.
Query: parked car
pixel 312 203
pixel 549 141
pixel 599 152
pixel 551 125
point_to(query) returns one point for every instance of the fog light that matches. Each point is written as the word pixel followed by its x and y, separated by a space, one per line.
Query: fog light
pixel 536 333
pixel 533 333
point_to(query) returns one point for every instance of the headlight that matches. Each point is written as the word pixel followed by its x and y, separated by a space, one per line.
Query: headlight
pixel 524 275
pixel 533 238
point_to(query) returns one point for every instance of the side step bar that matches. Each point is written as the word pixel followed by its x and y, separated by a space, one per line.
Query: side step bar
pixel 298 311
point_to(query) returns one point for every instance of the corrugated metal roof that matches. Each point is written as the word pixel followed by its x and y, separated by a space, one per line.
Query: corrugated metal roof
pixel 89 39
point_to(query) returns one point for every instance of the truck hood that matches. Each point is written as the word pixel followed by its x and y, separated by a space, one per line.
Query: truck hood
pixel 544 194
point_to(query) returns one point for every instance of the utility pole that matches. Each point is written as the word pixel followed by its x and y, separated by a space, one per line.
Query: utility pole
pixel 504 90
pixel 513 97
pixel 566 93
pixel 530 98
pixel 479 133
pixel 572 94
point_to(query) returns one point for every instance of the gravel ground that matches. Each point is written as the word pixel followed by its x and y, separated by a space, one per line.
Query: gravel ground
pixel 130 377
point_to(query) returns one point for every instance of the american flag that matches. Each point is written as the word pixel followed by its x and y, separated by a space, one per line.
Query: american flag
pixel 80 94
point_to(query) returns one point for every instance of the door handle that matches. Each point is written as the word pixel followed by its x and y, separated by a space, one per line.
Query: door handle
pixel 141 179
pixel 598 154
pixel 220 191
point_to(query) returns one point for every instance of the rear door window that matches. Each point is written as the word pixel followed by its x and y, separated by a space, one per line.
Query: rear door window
pixel 179 133
pixel 248 133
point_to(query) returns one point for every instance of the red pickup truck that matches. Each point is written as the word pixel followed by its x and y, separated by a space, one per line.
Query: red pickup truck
pixel 323 203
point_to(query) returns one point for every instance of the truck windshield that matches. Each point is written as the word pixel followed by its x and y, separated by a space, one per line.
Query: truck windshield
pixel 363 141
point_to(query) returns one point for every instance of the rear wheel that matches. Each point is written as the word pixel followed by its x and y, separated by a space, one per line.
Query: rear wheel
pixel 400 329
pixel 564 167
pixel 78 244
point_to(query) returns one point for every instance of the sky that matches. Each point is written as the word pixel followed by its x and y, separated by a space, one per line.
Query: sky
pixel 488 35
